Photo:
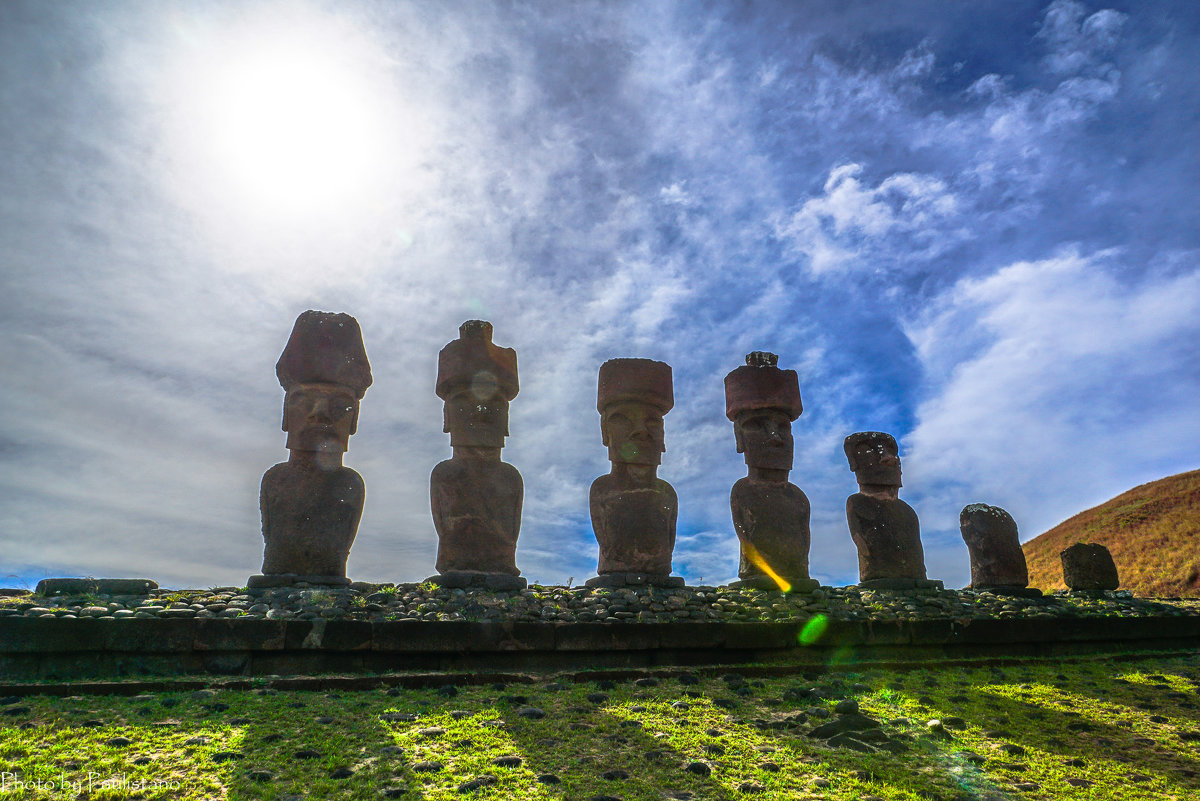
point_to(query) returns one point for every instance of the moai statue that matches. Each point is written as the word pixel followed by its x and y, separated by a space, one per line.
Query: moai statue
pixel 311 504
pixel 997 561
pixel 884 528
pixel 476 498
pixel 770 514
pixel 634 511
pixel 1088 568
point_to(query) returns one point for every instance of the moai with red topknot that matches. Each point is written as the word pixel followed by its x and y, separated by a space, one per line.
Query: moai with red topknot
pixel 475 497
pixel 311 504
pixel 633 510
pixel 884 528
pixel 770 514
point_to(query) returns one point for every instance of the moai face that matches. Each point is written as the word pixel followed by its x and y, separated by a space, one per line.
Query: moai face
pixel 874 459
pixel 476 422
pixel 765 437
pixel 319 416
pixel 633 432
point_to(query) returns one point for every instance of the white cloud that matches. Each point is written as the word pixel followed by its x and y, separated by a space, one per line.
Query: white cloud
pixel 1053 385
pixel 843 228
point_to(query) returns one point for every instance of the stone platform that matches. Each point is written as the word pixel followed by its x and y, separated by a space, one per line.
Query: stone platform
pixel 380 629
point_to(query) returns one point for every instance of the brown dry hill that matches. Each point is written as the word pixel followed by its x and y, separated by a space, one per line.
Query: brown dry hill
pixel 1152 531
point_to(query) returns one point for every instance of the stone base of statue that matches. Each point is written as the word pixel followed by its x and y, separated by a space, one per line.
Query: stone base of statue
pixel 635 580
pixel 89 586
pixel 466 579
pixel 800 585
pixel 1007 589
pixel 900 584
pixel 292 579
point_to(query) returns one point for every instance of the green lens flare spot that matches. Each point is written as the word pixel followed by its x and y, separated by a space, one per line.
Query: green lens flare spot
pixel 813 630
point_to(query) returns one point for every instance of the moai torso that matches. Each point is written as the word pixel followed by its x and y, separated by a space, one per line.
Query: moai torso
pixel 310 517
pixel 477 513
pixel 772 517
pixel 997 560
pixel 888 537
pixel 634 523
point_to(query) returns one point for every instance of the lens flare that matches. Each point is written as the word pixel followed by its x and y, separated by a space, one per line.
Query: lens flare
pixel 757 560
pixel 813 630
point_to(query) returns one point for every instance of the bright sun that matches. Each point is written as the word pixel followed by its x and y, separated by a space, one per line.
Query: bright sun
pixel 285 126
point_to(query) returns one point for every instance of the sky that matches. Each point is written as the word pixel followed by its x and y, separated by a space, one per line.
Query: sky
pixel 972 225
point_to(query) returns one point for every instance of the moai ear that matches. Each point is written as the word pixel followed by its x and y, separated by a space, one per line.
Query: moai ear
pixel 737 438
pixel 446 417
pixel 354 420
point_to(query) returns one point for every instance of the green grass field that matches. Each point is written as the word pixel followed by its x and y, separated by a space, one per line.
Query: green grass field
pixel 1083 730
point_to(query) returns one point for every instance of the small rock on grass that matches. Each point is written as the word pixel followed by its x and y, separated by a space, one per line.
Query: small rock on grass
pixel 507 761
pixel 341 773
pixel 699 768
pixel 548 778
pixel 306 753
pixel 531 712
pixel 427 767
pixel 392 750
pixel 750 787
pixel 260 775
pixel 615 775
pixel 393 792
pixel 478 783
pixel 1074 782
pixel 119 742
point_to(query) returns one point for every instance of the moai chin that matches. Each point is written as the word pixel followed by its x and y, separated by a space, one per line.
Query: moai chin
pixel 633 510
pixel 884 528
pixel 997 561
pixel 770 514
pixel 476 498
pixel 311 504
pixel 1088 569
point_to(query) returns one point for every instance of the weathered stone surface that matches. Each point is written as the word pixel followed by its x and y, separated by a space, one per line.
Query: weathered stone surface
pixel 1088 566
pixel 311 504
pixel 997 561
pixel 475 497
pixel 90 586
pixel 884 528
pixel 770 514
pixel 633 511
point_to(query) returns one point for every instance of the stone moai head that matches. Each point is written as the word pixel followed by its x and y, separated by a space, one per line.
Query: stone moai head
pixel 874 458
pixel 632 397
pixel 982 525
pixel 325 373
pixel 477 380
pixel 762 401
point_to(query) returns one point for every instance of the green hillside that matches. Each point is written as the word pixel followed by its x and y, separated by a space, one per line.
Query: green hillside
pixel 1152 531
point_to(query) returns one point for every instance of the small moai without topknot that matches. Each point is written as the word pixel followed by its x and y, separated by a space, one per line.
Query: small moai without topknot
pixel 770 514
pixel 476 498
pixel 633 511
pixel 997 561
pixel 1088 568
pixel 311 504
pixel 884 528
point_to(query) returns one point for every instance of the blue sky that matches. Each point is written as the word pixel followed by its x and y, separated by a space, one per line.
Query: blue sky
pixel 974 226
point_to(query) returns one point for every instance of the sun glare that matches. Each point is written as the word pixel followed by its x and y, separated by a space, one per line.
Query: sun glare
pixel 292 129
pixel 285 122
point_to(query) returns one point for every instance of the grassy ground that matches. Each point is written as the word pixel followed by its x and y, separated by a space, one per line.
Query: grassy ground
pixel 1088 730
